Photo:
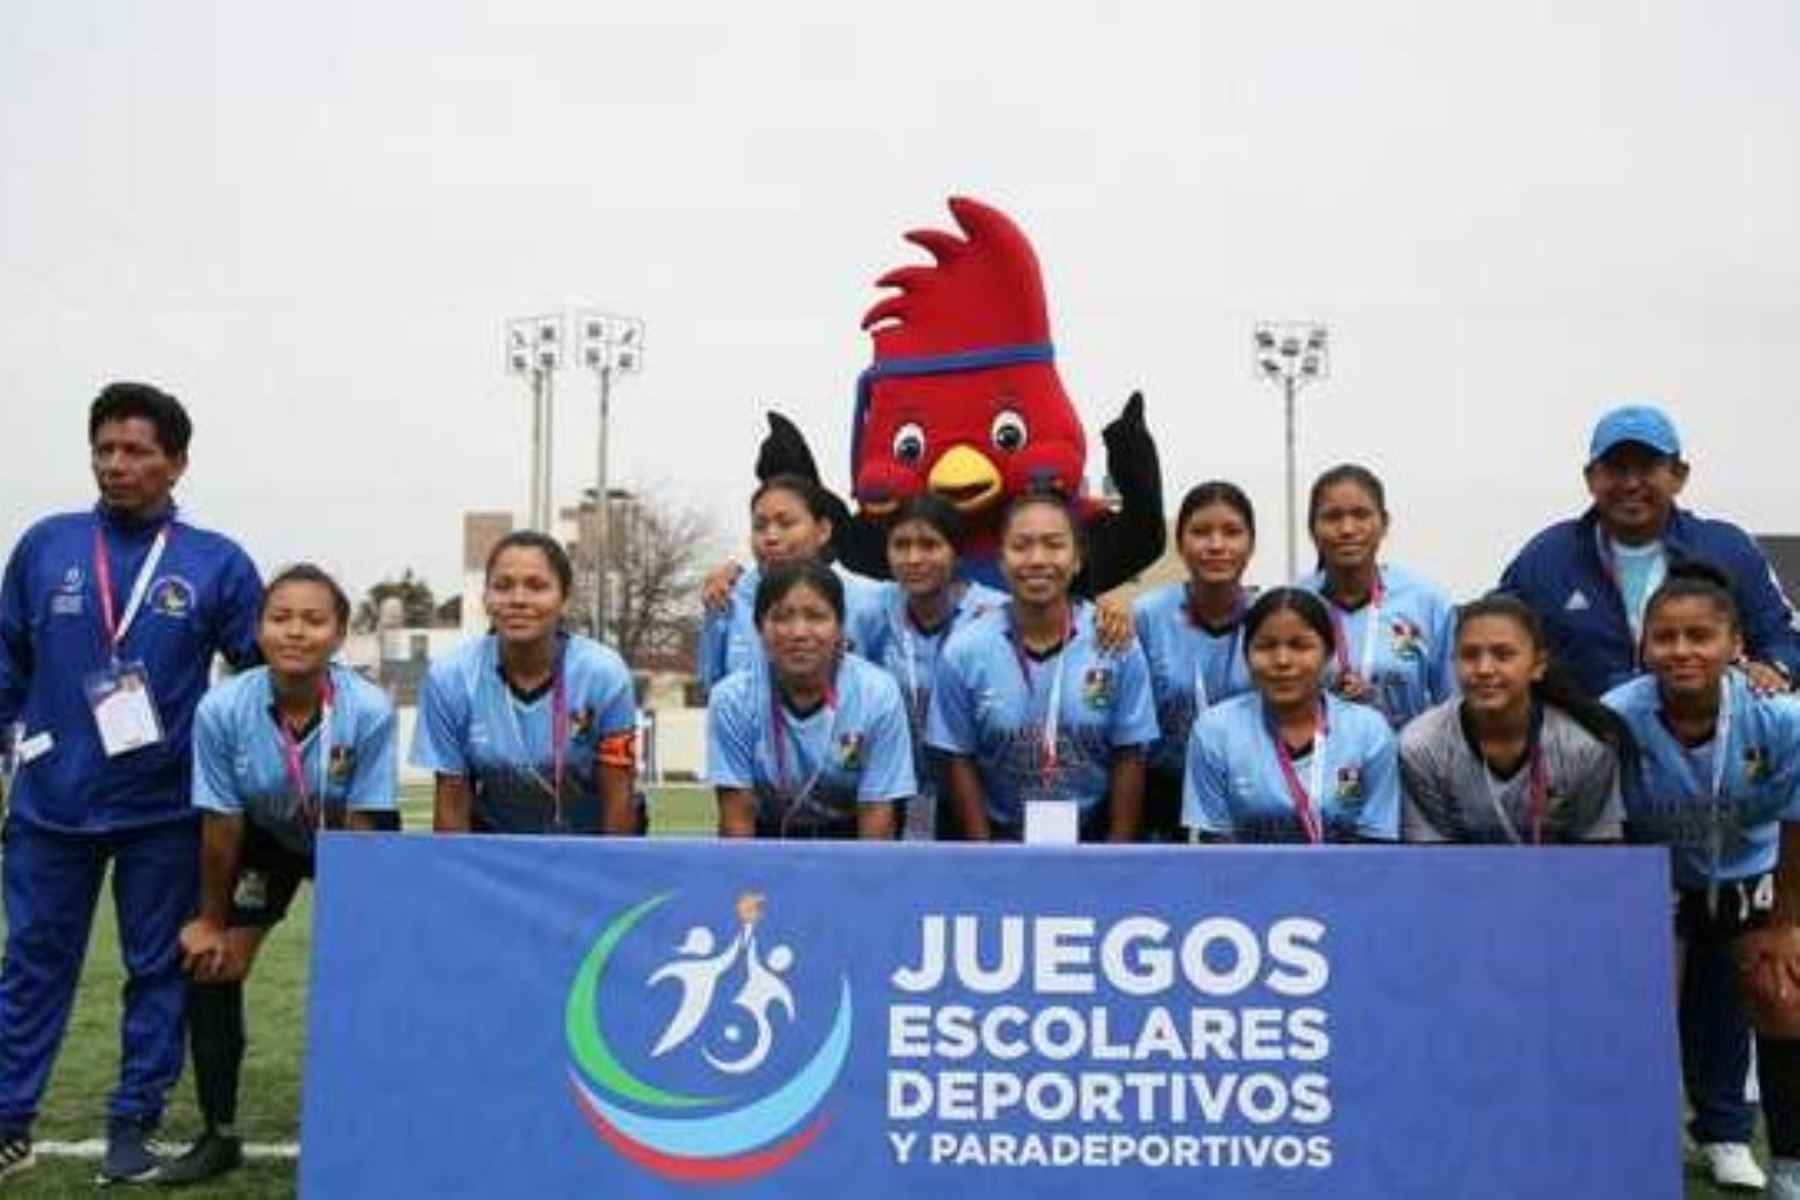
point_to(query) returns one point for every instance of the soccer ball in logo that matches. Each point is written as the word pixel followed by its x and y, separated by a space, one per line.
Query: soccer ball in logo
pixel 742 1124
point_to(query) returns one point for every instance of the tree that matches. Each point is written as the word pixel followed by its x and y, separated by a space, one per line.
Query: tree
pixel 418 607
pixel 657 554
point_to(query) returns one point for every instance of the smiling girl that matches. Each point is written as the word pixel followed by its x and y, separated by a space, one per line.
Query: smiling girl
pixel 1521 758
pixel 1290 762
pixel 1391 648
pixel 814 744
pixel 529 729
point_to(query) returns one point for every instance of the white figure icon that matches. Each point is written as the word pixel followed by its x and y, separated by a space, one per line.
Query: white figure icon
pixel 699 970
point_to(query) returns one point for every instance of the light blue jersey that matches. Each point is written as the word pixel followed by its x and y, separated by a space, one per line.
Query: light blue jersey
pixel 1237 787
pixel 473 725
pixel 1005 709
pixel 1192 667
pixel 810 772
pixel 910 654
pixel 1403 640
pixel 242 766
pixel 730 642
pixel 1722 817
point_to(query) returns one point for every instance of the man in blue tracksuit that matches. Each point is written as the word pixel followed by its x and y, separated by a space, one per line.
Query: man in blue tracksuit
pixel 109 621
pixel 1589 580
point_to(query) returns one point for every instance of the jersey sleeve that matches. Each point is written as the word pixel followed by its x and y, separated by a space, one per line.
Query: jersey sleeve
pixel 15 637
pixel 889 771
pixel 439 739
pixel 1786 754
pixel 615 704
pixel 715 640
pixel 214 788
pixel 730 740
pixel 1426 803
pixel 240 594
pixel 1594 789
pixel 1136 723
pixel 950 723
pixel 1770 634
pixel 1206 788
pixel 1378 820
pixel 375 785
pixel 1441 678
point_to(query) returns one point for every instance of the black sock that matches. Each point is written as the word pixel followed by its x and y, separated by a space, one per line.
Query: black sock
pixel 1778 1075
pixel 216 1035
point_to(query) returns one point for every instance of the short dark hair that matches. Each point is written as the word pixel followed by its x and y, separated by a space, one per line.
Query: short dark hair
pixel 1355 473
pixel 543 543
pixel 123 401
pixel 783 578
pixel 1301 603
pixel 1216 491
pixel 933 510
pixel 306 572
pixel 1697 579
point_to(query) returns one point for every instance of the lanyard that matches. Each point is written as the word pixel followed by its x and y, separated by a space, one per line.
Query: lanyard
pixel 1634 623
pixel 311 807
pixel 116 627
pixel 1203 695
pixel 1711 791
pixel 559 737
pixel 1304 797
pixel 1537 797
pixel 1053 709
pixel 909 652
pixel 792 798
pixel 1370 633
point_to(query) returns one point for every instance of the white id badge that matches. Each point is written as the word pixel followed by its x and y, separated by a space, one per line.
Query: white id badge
pixel 124 711
pixel 1052 823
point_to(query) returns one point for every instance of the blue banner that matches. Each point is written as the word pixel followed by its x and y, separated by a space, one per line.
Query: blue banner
pixel 596 1018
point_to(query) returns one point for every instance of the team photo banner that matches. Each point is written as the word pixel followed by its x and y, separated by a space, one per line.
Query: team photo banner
pixel 592 1017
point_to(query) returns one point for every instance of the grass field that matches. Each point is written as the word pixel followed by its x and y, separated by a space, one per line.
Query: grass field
pixel 270 1106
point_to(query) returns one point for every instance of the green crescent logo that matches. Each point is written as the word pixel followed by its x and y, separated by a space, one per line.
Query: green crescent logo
pixel 582 1030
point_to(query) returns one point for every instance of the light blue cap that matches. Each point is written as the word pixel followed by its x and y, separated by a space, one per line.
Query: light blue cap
pixel 1644 424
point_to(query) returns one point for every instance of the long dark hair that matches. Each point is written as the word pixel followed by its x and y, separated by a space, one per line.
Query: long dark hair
pixel 1216 491
pixel 1697 579
pixel 1301 603
pixel 1557 689
pixel 783 578
pixel 306 572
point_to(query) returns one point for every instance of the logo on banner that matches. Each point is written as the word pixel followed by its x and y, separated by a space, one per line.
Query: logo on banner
pixel 728 1083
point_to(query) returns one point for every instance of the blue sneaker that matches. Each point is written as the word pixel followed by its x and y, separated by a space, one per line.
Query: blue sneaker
pixel 128 1158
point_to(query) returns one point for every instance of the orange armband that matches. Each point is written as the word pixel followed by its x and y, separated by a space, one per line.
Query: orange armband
pixel 619 750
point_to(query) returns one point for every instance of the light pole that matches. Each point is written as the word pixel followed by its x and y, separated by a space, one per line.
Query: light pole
pixel 608 344
pixel 534 352
pixel 1293 353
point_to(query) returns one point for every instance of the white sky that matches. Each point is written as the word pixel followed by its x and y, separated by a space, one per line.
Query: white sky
pixel 311 222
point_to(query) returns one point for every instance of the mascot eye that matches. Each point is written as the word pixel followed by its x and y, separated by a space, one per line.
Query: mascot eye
pixel 1008 432
pixel 909 443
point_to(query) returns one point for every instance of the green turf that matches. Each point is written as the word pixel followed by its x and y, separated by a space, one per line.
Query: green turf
pixel 74 1107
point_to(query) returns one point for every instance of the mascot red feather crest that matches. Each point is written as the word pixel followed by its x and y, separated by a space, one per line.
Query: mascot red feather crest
pixel 963 399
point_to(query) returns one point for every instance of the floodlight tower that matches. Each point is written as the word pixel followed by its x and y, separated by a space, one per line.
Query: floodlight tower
pixel 609 344
pixel 534 352
pixel 1293 353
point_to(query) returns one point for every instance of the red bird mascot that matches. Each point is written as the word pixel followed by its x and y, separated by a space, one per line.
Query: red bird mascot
pixel 963 399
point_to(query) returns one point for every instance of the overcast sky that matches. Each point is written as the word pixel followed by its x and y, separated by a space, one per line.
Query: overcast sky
pixel 312 221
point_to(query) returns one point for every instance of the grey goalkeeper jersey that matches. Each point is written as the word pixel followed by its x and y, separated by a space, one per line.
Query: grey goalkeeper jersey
pixel 1450 795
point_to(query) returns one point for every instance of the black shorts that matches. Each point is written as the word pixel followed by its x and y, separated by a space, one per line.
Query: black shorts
pixel 268 876
pixel 1741 905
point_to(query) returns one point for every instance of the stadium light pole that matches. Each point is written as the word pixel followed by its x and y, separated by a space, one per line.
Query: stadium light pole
pixel 609 345
pixel 1293 354
pixel 534 352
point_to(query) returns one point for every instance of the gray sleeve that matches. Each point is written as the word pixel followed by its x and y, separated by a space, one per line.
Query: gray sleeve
pixel 1591 775
pixel 1428 808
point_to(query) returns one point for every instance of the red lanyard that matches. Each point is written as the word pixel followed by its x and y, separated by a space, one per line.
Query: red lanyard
pixel 1052 713
pixel 114 626
pixel 1304 801
pixel 1537 793
pixel 1342 629
pixel 310 806
pixel 778 734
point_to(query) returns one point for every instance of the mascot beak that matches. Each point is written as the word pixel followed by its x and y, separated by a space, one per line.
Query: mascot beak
pixel 966 478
